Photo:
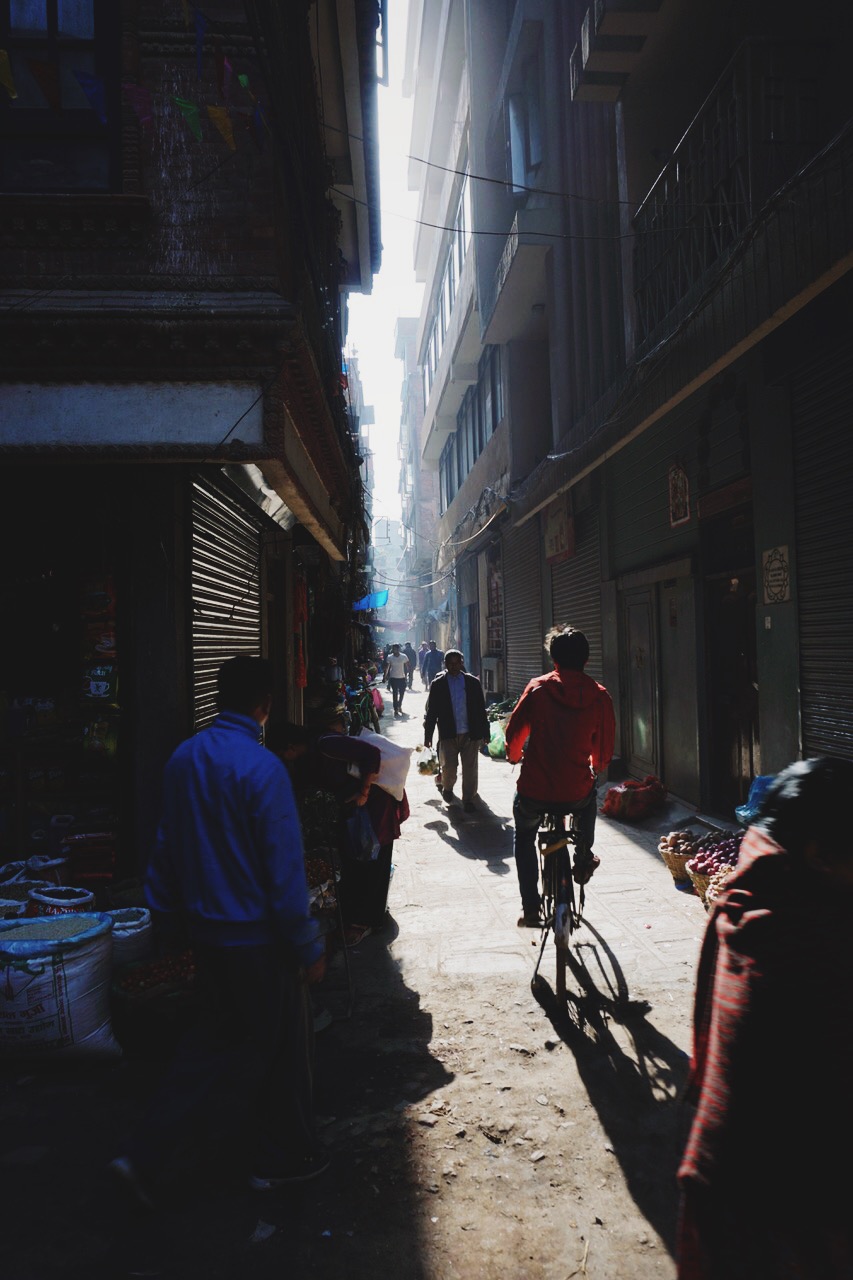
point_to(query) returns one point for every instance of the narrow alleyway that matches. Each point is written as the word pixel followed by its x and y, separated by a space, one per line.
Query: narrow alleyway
pixel 477 1131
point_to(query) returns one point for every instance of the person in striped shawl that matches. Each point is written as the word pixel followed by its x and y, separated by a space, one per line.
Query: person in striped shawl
pixel 766 1179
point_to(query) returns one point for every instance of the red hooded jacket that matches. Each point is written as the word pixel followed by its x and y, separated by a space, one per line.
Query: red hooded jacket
pixel 566 718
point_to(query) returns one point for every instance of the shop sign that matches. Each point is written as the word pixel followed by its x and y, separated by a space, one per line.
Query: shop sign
pixel 559 531
pixel 776 575
pixel 679 496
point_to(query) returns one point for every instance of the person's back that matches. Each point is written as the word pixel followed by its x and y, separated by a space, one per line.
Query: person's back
pixel 223 796
pixel 565 720
pixel 433 662
pixel 563 731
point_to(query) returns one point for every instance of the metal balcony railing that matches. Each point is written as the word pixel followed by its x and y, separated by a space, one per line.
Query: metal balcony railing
pixel 759 125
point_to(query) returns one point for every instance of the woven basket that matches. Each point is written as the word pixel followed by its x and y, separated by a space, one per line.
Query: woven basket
pixel 700 882
pixel 717 886
pixel 676 864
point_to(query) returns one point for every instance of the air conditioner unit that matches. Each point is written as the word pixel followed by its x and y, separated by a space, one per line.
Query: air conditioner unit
pixel 492 670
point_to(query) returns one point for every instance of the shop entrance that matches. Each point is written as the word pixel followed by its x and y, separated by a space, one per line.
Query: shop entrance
pixel 734 755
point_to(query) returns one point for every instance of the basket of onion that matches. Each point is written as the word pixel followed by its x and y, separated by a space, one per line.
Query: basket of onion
pixel 677 849
pixel 715 853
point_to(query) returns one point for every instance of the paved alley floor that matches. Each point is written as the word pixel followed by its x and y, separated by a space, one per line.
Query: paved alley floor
pixel 477 1130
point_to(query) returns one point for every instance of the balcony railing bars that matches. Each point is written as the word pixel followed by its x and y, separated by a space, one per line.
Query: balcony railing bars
pixel 757 127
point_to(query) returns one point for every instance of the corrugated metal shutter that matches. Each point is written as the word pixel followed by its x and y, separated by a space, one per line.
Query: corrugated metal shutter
pixel 525 655
pixel 226 591
pixel 822 409
pixel 576 588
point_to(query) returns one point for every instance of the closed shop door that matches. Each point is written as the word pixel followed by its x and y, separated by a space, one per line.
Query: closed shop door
pixel 226 590
pixel 576 588
pixel 469 614
pixel 525 654
pixel 822 407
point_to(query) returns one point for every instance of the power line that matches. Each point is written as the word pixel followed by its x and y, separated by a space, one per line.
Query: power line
pixel 515 186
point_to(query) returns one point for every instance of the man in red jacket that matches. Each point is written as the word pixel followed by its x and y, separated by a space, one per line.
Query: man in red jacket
pixel 562 730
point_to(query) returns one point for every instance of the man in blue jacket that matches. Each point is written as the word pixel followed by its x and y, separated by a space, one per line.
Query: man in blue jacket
pixel 432 663
pixel 228 872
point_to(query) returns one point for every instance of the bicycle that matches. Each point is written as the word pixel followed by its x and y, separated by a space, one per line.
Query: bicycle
pixel 561 872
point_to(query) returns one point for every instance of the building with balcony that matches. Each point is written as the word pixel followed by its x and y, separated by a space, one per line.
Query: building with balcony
pixel 659 263
pixel 186 199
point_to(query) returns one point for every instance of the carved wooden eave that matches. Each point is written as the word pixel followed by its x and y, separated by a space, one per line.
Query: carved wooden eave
pixel 90 337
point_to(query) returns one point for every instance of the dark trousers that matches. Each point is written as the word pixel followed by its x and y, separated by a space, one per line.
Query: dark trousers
pixel 398 688
pixel 247 1063
pixel 527 816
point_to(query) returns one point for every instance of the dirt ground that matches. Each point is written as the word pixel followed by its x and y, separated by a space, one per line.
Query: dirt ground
pixel 477 1130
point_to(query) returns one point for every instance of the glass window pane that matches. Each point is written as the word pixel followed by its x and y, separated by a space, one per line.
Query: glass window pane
pixel 497 385
pixel 30 93
pixel 72 96
pixel 28 17
pixel 77 19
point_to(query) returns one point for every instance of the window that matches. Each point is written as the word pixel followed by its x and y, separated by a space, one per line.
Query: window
pixel 524 129
pixel 55 134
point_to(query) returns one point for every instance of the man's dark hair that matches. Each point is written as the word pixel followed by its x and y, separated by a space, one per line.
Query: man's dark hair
pixel 243 684
pixel 568 648
pixel 431 644
pixel 453 653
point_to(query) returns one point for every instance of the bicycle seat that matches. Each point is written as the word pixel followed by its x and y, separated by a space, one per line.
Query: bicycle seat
pixel 563 810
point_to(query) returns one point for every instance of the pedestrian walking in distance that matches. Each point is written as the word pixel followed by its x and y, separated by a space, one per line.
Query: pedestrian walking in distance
pixel 396 670
pixel 562 729
pixel 227 876
pixel 413 662
pixel 433 663
pixel 455 704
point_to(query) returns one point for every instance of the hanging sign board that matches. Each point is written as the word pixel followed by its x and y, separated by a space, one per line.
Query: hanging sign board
pixel 559 531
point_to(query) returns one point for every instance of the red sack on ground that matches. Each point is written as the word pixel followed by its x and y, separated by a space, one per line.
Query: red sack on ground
pixel 631 799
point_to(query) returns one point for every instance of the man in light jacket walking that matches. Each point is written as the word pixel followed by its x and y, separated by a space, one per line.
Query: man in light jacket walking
pixel 456 704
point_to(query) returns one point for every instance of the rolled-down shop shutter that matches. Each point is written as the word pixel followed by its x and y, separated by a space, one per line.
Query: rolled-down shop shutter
pixel 226 591
pixel 576 588
pixel 525 655
pixel 822 409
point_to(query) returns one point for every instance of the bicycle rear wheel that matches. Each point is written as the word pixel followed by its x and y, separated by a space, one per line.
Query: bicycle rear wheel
pixel 558 894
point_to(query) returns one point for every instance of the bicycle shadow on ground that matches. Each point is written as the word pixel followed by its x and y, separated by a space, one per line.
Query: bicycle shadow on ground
pixel 635 1089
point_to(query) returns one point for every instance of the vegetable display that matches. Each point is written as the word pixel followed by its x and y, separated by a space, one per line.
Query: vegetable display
pixel 718 852
pixel 169 972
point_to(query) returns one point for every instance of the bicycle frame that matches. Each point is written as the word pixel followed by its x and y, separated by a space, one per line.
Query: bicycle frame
pixel 563 908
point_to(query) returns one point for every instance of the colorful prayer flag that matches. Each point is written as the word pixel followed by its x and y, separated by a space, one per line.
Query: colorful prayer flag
pixel 190 112
pixel 93 87
pixel 220 117
pixel 6 78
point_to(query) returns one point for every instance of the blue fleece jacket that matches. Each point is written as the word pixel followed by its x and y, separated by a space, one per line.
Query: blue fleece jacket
pixel 228 858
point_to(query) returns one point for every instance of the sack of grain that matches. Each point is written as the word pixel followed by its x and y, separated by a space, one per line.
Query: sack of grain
pixel 132 934
pixel 15 897
pixel 55 986
pixel 56 900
